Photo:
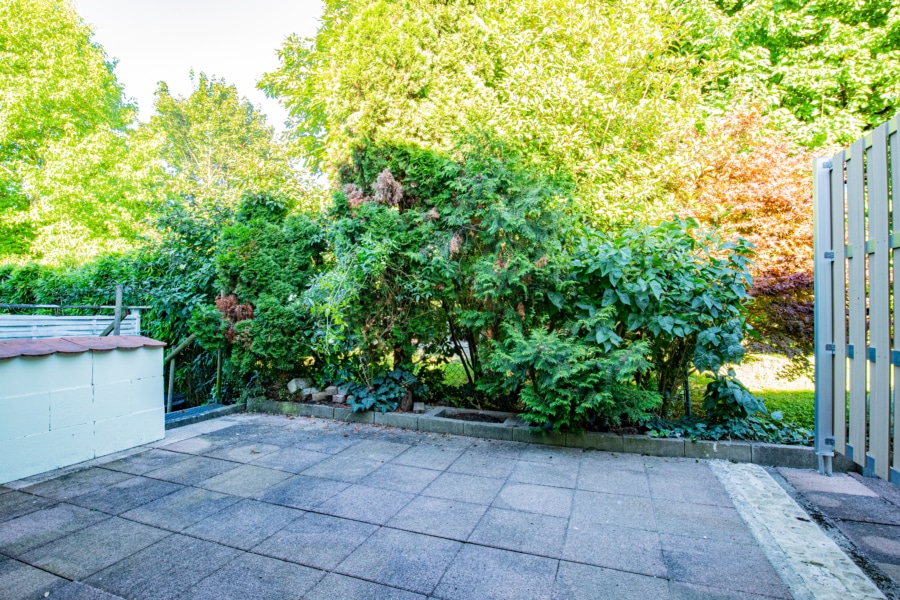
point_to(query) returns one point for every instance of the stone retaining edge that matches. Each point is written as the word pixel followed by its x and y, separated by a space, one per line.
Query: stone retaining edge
pixel 197 417
pixel 770 455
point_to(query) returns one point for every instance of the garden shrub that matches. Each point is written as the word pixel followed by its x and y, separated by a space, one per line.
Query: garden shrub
pixel 679 288
pixel 263 263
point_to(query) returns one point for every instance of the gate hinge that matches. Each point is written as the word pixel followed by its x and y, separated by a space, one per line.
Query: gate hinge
pixel 830 348
pixel 828 164
pixel 829 255
pixel 829 441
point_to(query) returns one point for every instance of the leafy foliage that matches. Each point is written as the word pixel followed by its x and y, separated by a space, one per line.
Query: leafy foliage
pixel 72 176
pixel 676 287
pixel 384 393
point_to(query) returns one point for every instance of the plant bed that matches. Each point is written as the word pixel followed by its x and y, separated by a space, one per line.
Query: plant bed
pixel 472 416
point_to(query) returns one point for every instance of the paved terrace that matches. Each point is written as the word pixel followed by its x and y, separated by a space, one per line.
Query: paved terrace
pixel 253 506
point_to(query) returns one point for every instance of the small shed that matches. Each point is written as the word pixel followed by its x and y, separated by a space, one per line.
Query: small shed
pixel 70 399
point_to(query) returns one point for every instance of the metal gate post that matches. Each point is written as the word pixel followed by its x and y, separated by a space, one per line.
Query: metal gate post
pixel 824 337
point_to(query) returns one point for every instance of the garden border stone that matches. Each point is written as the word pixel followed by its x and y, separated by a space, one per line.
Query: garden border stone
pixel 775 455
pixel 733 450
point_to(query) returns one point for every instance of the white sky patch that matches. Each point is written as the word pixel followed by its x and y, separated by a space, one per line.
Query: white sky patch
pixel 162 40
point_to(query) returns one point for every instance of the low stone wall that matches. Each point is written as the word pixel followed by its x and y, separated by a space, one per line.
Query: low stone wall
pixel 67 400
pixel 513 429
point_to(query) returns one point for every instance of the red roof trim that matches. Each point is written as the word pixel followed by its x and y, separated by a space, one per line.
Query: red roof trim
pixel 73 345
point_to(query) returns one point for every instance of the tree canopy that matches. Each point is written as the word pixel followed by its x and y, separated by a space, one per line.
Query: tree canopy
pixel 65 150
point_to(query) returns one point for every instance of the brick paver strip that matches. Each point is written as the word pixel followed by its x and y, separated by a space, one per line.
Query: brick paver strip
pixel 265 506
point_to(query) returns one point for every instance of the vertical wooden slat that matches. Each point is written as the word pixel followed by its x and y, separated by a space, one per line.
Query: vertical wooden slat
pixel 895 229
pixel 839 304
pixel 879 307
pixel 856 238
pixel 824 280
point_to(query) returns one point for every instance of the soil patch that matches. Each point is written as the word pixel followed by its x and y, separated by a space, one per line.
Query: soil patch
pixel 482 418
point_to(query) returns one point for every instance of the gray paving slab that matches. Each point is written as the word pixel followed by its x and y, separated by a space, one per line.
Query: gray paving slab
pixel 372 505
pixel 343 468
pixel 613 509
pixel 319 541
pixel 688 591
pixel 401 559
pixel 401 478
pixel 292 460
pixel 75 590
pixel 254 576
pixel 164 570
pixel 24 582
pixel 126 495
pixel 702 521
pixel 200 444
pixel 559 474
pixel 711 563
pixel 483 464
pixel 93 548
pixel 585 582
pixel 551 454
pixel 180 510
pixel 701 486
pixel 879 542
pixel 621 548
pixel 443 518
pixel 467 488
pixel 74 484
pixel 480 573
pixel 247 481
pixel 542 499
pixel 531 533
pixel 856 508
pixel 501 448
pixel 329 442
pixel 193 470
pixel 303 492
pixel 615 461
pixel 376 450
pixel 606 478
pixel 244 524
pixel 340 587
pixel 243 452
pixel 426 456
pixel 42 526
pixel 144 462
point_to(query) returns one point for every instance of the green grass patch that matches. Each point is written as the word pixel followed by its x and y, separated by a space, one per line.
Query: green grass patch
pixel 797 406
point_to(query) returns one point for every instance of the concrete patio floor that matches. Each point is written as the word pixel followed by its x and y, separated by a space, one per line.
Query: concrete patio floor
pixel 253 506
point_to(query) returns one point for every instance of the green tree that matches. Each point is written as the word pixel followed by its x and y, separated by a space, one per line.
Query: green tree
pixel 71 184
pixel 597 91
pixel 826 70
pixel 215 146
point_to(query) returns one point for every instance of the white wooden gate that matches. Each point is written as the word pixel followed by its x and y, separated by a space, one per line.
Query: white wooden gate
pixel 856 207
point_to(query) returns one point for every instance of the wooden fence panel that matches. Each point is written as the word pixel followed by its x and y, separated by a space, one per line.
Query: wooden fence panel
pixel 48 326
pixel 878 352
pixel 839 303
pixel 856 350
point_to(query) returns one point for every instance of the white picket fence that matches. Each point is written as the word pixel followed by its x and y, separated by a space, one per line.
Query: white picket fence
pixel 52 326
pixel 856 196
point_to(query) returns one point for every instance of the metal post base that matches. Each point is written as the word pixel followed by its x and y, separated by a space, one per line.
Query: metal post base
pixel 825 465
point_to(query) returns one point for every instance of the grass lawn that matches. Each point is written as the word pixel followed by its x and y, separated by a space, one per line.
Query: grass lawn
pixel 760 374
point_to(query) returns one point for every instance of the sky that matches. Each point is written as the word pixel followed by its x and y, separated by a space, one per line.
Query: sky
pixel 162 40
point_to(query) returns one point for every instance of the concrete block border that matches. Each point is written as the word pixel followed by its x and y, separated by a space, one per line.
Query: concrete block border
pixel 512 428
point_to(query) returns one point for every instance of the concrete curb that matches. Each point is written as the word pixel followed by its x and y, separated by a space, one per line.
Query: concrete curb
pixel 200 413
pixel 434 421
